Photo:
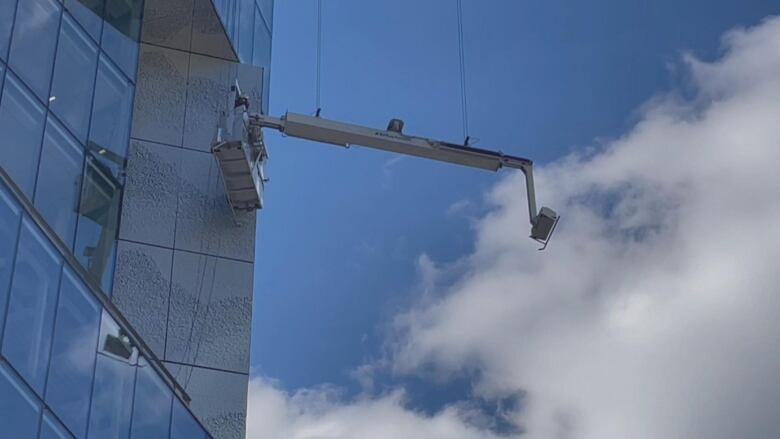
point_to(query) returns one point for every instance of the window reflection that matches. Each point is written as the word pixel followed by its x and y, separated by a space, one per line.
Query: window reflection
pixel 7 10
pixel 33 43
pixel 110 128
pixel 246 25
pixel 120 39
pixel 99 218
pixel 21 125
pixel 261 55
pixel 112 394
pixel 59 180
pixel 73 354
pixel 9 228
pixel 19 409
pixel 152 405
pixel 183 425
pixel 28 327
pixel 51 429
pixel 88 13
pixel 74 78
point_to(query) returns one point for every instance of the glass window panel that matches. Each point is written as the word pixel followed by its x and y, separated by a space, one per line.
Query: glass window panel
pixel 21 122
pixel 59 180
pixel 152 405
pixel 261 56
pixel 246 25
pixel 19 409
pixel 230 23
pixel 28 326
pixel 98 221
pixel 33 43
pixel 9 229
pixel 73 354
pixel 267 8
pixel 51 429
pixel 219 5
pixel 120 35
pixel 111 112
pixel 74 78
pixel 88 13
pixel 7 12
pixel 183 424
pixel 112 393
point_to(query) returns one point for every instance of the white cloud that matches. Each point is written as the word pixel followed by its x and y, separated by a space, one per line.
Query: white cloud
pixel 320 414
pixel 388 170
pixel 653 314
pixel 458 207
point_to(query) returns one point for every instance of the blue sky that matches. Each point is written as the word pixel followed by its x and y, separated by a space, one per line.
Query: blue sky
pixel 339 240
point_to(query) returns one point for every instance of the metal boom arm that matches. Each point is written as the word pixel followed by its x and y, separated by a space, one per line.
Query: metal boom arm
pixel 393 139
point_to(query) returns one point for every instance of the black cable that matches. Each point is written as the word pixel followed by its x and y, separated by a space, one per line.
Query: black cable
pixel 319 58
pixel 462 59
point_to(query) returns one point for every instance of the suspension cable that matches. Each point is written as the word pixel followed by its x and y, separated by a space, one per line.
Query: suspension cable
pixel 462 58
pixel 319 58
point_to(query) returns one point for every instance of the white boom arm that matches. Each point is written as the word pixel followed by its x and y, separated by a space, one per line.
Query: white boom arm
pixel 392 139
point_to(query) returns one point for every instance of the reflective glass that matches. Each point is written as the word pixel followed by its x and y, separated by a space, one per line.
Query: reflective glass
pixel 262 55
pixel 7 10
pixel 110 128
pixel 21 125
pixel 183 425
pixel 246 25
pixel 88 13
pixel 152 404
pixel 59 180
pixel 51 429
pixel 73 354
pixel 231 9
pixel 9 229
pixel 98 221
pixel 33 43
pixel 112 393
pixel 267 8
pixel 28 326
pixel 74 78
pixel 120 35
pixel 19 409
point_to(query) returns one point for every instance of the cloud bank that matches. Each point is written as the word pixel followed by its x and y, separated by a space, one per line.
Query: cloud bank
pixel 655 313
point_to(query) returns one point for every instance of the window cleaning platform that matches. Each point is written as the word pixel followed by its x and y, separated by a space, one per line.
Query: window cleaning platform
pixel 241 154
pixel 242 172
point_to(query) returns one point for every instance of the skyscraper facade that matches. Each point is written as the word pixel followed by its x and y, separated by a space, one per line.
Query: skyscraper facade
pixel 125 276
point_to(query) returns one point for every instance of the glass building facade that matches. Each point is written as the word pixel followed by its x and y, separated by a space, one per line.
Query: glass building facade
pixel 79 79
pixel 68 367
pixel 249 24
pixel 65 111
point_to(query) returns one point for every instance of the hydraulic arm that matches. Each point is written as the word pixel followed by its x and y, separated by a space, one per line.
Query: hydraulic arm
pixel 392 139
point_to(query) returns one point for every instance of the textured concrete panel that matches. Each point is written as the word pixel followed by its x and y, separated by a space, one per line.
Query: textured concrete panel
pixel 160 95
pixel 205 223
pixel 218 398
pixel 141 286
pixel 208 34
pixel 168 23
pixel 210 312
pixel 151 193
pixel 209 83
